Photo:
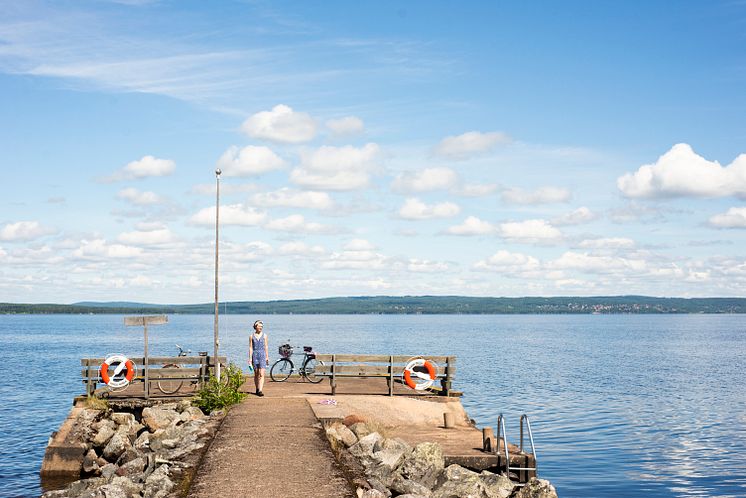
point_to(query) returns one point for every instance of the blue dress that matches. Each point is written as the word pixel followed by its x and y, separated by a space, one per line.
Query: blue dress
pixel 259 355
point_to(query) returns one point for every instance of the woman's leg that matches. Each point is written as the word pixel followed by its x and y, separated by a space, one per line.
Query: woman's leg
pixel 257 373
pixel 260 380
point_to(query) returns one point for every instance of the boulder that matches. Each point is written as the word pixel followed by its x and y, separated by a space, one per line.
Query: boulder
pixel 342 434
pixel 410 488
pixel 132 468
pixel 361 429
pixel 458 481
pixel 110 491
pixel 142 443
pixel 158 485
pixel 107 471
pixel 131 489
pixel 370 493
pixel 123 418
pixel 79 488
pixel 90 462
pixel 116 446
pixel 363 449
pixel 497 485
pixel 105 432
pixel 537 488
pixel 423 465
pixel 158 418
pixel 128 455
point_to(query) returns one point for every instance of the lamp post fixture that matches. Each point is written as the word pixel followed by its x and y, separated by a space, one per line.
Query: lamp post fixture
pixel 217 233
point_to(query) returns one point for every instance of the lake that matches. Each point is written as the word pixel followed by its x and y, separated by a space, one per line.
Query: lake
pixel 620 405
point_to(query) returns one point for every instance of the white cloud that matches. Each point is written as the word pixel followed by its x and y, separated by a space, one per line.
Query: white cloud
pixel 591 263
pixel 359 245
pixel 286 197
pixel 475 190
pixel 301 249
pixel 147 237
pixel 281 124
pixel 575 217
pixel 250 160
pixel 22 231
pixel 231 214
pixel 735 217
pixel 146 167
pixel 531 231
pixel 414 209
pixel 225 188
pixel 472 226
pixel 296 223
pixel 348 125
pixel 425 180
pixel 337 168
pixel 681 172
pixel 543 195
pixel 138 197
pixel 99 248
pixel 508 262
pixel 470 144
pixel 143 281
pixel 426 266
pixel 607 243
pixel 358 254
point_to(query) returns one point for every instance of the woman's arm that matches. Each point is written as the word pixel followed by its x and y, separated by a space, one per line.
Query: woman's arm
pixel 251 349
pixel 266 347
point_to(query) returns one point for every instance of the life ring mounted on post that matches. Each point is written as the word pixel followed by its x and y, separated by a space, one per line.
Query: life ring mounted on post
pixel 116 380
pixel 419 374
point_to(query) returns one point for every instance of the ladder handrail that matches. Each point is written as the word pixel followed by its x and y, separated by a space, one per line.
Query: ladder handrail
pixel 502 434
pixel 530 438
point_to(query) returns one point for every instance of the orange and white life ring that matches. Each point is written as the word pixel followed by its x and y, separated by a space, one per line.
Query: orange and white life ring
pixel 417 379
pixel 116 380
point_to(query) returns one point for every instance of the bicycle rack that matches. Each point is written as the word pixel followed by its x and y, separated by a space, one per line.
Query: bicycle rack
pixel 501 434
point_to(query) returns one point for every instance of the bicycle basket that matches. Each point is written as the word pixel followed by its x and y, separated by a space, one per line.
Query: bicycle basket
pixel 307 349
pixel 286 350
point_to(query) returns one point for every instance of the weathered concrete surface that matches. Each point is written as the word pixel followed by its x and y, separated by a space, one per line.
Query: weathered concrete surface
pixel 65 453
pixel 270 447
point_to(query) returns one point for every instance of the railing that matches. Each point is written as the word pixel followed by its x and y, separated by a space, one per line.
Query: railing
pixel 390 367
pixel 160 368
pixel 523 471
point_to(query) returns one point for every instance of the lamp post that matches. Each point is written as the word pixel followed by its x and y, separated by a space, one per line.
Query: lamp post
pixel 217 233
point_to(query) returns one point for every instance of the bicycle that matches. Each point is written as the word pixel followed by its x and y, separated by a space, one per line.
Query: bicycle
pixel 172 386
pixel 283 368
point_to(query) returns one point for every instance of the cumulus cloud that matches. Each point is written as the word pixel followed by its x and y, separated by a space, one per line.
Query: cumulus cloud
pixel 147 237
pixel 296 223
pixel 231 214
pixel 530 231
pixel 735 217
pixel 472 226
pixel 358 254
pixel 475 190
pixel 23 231
pixel 681 172
pixel 425 180
pixel 543 195
pixel 250 160
pixel 348 125
pixel 337 168
pixel 99 248
pixel 575 217
pixel 301 249
pixel 607 243
pixel 225 189
pixel 138 197
pixel 593 263
pixel 146 167
pixel 287 197
pixel 359 245
pixel 281 124
pixel 470 144
pixel 426 266
pixel 508 262
pixel 414 209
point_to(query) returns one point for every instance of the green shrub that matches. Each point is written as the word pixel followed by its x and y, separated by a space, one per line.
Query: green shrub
pixel 215 395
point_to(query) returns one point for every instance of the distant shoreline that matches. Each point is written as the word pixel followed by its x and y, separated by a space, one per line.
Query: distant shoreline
pixel 409 305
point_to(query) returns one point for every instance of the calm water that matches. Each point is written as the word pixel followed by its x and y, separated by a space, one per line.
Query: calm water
pixel 620 405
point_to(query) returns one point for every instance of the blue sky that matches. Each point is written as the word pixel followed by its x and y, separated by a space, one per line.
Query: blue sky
pixel 368 148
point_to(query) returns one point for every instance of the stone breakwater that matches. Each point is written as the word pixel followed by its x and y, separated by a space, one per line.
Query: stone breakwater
pixel 149 452
pixel 391 467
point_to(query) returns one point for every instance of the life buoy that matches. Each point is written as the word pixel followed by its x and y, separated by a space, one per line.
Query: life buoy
pixel 114 380
pixel 409 373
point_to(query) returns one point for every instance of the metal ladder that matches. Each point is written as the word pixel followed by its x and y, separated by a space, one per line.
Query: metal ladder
pixel 501 434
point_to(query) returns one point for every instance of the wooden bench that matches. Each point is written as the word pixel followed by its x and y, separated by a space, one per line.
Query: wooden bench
pixel 391 367
pixel 191 369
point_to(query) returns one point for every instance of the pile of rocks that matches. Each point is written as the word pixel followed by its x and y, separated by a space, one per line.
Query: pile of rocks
pixel 394 468
pixel 149 453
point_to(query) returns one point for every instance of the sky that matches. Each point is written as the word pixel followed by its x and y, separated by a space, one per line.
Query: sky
pixel 371 148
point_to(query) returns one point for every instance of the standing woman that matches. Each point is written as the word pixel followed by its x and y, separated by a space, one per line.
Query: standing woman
pixel 259 355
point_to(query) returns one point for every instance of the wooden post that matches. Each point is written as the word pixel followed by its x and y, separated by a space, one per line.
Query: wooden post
pixel 488 439
pixel 448 421
pixel 334 374
pixel 391 375
pixel 88 390
pixel 144 321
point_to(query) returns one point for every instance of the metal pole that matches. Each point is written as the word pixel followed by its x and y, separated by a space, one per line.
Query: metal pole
pixel 147 387
pixel 217 238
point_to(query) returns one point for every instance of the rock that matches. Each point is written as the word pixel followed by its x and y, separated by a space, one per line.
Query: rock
pixel 105 432
pixel 142 443
pixel 458 481
pixel 116 446
pixel 158 485
pixel 341 434
pixel 365 445
pixel 360 429
pixel 384 462
pixel 370 493
pixel 108 470
pixel 537 488
pixel 82 486
pixel 183 405
pixel 411 488
pixel 158 418
pixel 128 455
pixel 133 467
pixel 90 463
pixel 352 419
pixel 408 495
pixel 497 485
pixel 110 491
pixel 121 418
pixel 57 493
pixel 131 489
pixel 423 465
pixel 379 486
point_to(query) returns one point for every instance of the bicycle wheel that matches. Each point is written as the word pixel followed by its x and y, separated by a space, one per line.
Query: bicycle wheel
pixel 167 386
pixel 281 370
pixel 309 367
